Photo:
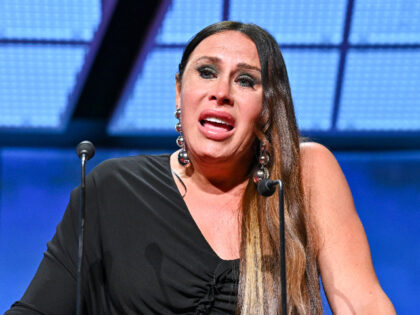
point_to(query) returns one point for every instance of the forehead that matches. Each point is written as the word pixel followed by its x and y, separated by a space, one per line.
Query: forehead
pixel 228 46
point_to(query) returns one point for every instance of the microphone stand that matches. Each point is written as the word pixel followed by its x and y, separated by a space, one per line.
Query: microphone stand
pixel 85 150
pixel 81 233
pixel 266 187
pixel 282 250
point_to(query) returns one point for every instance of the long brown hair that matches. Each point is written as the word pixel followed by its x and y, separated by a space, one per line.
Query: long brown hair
pixel 259 288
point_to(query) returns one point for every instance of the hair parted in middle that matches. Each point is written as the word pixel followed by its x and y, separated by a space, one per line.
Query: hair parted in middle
pixel 259 288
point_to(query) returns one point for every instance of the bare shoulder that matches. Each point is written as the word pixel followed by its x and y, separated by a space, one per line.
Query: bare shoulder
pixel 328 196
pixel 317 158
pixel 313 148
pixel 321 172
pixel 344 257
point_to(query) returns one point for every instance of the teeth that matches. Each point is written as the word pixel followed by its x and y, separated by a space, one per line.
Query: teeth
pixel 217 120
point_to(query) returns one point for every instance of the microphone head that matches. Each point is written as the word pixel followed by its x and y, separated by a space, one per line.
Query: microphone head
pixel 87 148
pixel 266 187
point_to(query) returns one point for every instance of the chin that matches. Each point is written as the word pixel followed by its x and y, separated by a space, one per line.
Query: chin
pixel 210 153
pixel 216 153
pixel 212 156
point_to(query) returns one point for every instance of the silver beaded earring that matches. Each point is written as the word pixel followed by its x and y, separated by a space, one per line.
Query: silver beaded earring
pixel 180 141
pixel 262 171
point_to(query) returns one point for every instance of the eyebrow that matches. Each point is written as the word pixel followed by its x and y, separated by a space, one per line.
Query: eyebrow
pixel 241 65
pixel 247 66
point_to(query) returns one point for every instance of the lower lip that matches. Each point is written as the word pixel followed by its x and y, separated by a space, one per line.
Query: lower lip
pixel 214 133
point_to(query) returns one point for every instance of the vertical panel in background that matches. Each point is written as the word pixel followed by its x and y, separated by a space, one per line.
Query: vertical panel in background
pixel 294 22
pixel 186 17
pixel 42 50
pixel 35 82
pixel 312 75
pixel 381 90
pixel 386 22
pixel 47 20
pixel 150 106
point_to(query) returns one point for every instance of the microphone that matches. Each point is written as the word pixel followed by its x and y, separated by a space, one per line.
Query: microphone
pixel 266 187
pixel 85 151
pixel 85 148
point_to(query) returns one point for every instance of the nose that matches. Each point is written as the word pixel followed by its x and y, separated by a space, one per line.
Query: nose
pixel 221 93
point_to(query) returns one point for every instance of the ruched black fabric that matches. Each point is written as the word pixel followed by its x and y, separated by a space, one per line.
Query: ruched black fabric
pixel 144 254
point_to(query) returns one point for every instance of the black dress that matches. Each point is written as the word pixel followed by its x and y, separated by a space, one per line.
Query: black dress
pixel 144 254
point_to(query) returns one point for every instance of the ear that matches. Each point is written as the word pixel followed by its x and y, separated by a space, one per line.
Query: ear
pixel 177 91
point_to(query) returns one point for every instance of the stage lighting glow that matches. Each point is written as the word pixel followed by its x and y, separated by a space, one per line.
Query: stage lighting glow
pixel 312 75
pixel 187 17
pixel 297 22
pixel 151 104
pixel 35 81
pixel 52 19
pixel 386 22
pixel 381 91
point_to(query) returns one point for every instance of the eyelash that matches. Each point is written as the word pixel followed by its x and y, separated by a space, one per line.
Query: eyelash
pixel 244 80
pixel 206 72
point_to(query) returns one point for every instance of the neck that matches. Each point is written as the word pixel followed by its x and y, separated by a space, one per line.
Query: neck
pixel 212 177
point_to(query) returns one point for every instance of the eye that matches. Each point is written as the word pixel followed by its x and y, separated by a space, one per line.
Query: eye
pixel 246 81
pixel 207 72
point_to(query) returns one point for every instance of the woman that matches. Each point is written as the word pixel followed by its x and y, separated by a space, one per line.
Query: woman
pixel 165 233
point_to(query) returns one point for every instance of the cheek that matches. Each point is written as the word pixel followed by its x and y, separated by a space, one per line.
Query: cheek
pixel 253 110
pixel 252 115
pixel 190 93
pixel 189 106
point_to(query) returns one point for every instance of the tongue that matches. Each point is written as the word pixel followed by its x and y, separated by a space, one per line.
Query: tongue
pixel 216 126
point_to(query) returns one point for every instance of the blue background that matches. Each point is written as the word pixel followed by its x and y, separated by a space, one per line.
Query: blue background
pixel 354 68
pixel 36 183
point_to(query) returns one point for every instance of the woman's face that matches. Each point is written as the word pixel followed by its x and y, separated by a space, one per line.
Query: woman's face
pixel 221 98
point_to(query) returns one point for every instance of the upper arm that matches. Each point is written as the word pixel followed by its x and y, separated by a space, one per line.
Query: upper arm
pixel 344 257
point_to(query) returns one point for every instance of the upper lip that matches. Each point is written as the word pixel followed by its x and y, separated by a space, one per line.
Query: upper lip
pixel 219 115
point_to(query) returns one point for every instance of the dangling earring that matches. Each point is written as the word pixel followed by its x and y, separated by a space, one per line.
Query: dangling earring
pixel 180 141
pixel 262 171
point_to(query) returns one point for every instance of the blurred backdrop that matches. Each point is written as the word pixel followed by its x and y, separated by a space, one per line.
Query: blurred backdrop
pixel 104 70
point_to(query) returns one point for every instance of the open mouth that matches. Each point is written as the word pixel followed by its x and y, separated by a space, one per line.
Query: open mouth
pixel 214 122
